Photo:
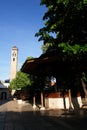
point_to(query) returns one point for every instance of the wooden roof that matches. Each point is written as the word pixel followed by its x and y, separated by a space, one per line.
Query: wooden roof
pixel 53 64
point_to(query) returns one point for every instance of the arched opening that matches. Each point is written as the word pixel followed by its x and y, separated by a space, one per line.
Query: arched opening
pixel 3 95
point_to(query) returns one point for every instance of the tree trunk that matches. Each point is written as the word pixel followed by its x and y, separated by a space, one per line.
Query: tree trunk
pixel 84 87
pixel 70 99
pixel 42 104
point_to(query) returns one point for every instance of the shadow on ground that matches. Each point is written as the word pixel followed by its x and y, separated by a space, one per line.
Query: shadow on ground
pixel 23 117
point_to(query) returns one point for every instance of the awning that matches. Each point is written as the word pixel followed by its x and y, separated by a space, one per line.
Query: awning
pixel 30 66
pixel 53 65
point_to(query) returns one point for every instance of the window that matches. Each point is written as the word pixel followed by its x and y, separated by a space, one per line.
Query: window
pixel 13 59
pixel 14 54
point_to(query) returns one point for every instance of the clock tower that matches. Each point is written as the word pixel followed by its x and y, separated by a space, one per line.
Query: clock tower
pixel 14 62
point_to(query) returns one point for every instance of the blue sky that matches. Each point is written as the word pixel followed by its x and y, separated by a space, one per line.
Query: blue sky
pixel 19 21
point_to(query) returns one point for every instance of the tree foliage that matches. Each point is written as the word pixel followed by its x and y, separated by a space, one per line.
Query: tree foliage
pixel 46 46
pixel 65 25
pixel 22 80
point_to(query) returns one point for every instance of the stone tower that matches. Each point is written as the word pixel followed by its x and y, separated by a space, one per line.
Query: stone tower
pixel 14 62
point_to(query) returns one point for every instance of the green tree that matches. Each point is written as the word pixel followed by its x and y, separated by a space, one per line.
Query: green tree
pixel 46 46
pixel 22 80
pixel 65 26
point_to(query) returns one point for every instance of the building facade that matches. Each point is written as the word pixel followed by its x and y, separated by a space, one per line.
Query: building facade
pixel 4 91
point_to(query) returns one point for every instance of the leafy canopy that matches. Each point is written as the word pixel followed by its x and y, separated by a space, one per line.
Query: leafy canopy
pixel 65 25
pixel 22 80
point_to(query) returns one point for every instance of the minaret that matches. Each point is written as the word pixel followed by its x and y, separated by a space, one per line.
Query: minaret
pixel 14 62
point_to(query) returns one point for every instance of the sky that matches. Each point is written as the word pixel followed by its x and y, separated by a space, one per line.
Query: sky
pixel 19 21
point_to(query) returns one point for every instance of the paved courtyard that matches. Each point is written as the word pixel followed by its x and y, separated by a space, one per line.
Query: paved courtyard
pixel 14 116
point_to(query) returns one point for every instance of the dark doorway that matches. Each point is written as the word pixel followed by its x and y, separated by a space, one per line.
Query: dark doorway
pixel 3 95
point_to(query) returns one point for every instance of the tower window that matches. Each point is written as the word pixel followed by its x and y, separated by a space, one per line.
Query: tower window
pixel 13 59
pixel 14 54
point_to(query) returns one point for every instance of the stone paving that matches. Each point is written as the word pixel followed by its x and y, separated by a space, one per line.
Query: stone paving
pixel 14 116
